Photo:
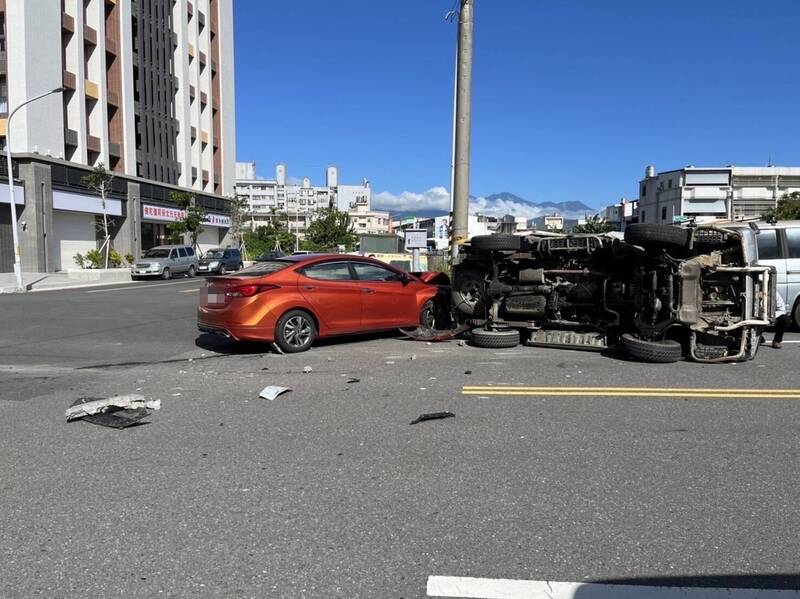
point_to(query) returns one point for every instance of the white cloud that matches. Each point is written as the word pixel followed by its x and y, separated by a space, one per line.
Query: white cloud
pixel 438 198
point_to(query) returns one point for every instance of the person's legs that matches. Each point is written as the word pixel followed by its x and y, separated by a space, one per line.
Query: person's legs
pixel 780 327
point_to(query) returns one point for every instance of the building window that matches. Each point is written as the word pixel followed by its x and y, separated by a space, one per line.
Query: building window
pixel 669 184
pixel 664 213
pixel 644 191
pixel 643 216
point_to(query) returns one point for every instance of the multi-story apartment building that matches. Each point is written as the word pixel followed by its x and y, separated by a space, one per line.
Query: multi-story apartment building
pixel 296 204
pixel 147 92
pixel 712 193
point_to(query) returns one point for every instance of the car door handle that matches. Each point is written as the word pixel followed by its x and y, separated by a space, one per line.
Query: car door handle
pixel 367 290
pixel 309 287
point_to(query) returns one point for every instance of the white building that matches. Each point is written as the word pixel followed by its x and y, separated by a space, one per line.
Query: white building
pixel 148 91
pixel 712 193
pixel 276 200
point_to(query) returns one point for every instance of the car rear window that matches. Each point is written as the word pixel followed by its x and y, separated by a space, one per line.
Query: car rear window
pixel 260 269
pixel 793 241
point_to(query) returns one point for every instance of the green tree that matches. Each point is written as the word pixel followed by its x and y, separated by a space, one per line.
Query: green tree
pixel 268 238
pixel 100 181
pixel 329 229
pixel 787 208
pixel 194 215
pixel 239 211
pixel 595 225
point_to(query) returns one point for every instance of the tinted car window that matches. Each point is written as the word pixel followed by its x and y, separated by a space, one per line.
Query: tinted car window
pixel 330 271
pixel 234 253
pixel 371 272
pixel 173 253
pixel 190 251
pixel 767 241
pixel 793 241
pixel 214 254
pixel 156 254
pixel 182 252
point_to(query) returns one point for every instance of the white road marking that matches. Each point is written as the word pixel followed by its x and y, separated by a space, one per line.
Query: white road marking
pixel 190 290
pixel 500 588
pixel 141 286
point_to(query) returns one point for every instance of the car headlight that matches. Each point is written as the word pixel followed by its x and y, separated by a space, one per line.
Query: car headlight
pixel 213 264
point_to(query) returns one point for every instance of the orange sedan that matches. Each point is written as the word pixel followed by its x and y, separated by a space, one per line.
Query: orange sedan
pixel 297 299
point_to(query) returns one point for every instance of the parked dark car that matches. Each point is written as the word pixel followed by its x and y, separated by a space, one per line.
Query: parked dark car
pixel 220 261
pixel 267 256
pixel 662 293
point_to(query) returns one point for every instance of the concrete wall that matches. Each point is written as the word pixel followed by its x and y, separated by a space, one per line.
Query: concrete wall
pixel 34 68
pixel 75 232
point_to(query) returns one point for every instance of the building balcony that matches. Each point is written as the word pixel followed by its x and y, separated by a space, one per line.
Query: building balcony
pixel 111 46
pixel 204 137
pixel 93 144
pixel 67 23
pixel 194 173
pixel 69 79
pixel 193 133
pixel 3 127
pixel 190 49
pixel 201 20
pixel 213 66
pixel 113 98
pixel 203 98
pixel 90 35
pixel 71 137
pixel 205 176
pixel 189 10
pixel 3 62
pixel 92 90
pixel 192 92
pixel 203 59
pixel 114 150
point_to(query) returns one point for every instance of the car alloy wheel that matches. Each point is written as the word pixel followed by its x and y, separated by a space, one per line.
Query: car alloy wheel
pixel 222 269
pixel 166 274
pixel 295 331
pixel 191 272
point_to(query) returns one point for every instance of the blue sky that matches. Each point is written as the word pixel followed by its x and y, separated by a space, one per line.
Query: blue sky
pixel 571 98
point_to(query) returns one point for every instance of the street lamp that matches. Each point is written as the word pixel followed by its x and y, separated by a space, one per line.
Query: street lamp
pixel 15 233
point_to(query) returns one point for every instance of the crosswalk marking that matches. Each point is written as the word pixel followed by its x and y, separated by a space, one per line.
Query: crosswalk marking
pixel 501 588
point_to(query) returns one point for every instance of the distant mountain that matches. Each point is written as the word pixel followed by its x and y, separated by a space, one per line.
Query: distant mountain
pixel 572 206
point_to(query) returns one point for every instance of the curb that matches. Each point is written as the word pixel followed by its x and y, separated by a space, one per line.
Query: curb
pixel 11 290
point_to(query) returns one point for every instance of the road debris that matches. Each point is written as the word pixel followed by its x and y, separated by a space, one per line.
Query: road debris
pixel 272 392
pixel 278 349
pixel 307 369
pixel 353 380
pixel 432 416
pixel 462 343
pixel 413 356
pixel 467 372
pixel 389 362
pixel 428 334
pixel 116 412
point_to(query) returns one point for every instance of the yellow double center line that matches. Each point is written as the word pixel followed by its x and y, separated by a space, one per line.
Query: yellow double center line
pixel 633 392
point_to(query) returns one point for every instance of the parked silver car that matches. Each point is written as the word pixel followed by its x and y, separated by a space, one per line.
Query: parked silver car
pixel 165 261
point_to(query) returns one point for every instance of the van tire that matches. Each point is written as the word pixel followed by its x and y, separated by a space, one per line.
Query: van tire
pixel 645 234
pixel 497 241
pixel 166 274
pixel 240 267
pixel 191 272
pixel 495 339
pixel 796 314
pixel 654 352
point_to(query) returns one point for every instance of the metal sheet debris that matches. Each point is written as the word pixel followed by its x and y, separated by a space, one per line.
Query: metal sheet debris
pixel 427 334
pixel 353 380
pixel 116 412
pixel 432 416
pixel 272 392
pixel 307 369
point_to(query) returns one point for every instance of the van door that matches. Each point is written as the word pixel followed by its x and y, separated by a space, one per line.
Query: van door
pixel 792 266
pixel 771 253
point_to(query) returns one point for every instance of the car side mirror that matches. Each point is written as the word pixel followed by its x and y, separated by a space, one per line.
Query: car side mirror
pixel 404 278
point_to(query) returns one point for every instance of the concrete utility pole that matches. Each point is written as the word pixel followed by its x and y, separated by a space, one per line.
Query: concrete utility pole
pixel 462 125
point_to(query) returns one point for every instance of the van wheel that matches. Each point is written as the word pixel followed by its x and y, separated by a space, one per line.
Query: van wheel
pixel 654 352
pixel 295 331
pixel 191 272
pixel 166 274
pixel 495 339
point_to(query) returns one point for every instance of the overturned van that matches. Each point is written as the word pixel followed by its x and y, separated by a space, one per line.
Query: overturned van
pixel 660 293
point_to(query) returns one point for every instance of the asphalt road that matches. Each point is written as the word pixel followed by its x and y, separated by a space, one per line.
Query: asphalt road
pixel 329 492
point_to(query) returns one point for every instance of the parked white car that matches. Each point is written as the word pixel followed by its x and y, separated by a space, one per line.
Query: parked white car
pixel 165 261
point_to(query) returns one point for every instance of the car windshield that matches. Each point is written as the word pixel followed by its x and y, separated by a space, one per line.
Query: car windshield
pixel 264 268
pixel 156 253
pixel 214 254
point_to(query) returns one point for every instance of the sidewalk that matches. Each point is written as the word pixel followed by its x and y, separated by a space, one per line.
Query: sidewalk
pixel 52 281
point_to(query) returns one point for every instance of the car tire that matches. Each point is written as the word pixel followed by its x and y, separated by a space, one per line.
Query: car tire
pixel 240 267
pixel 191 272
pixel 305 331
pixel 427 316
pixel 645 234
pixel 498 241
pixel 166 274
pixel 656 352
pixel 796 314
pixel 135 278
pixel 495 339
pixel 468 292
pixel 222 269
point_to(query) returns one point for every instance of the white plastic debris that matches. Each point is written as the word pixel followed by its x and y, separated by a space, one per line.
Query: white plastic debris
pixel 389 362
pixel 307 369
pixel 272 392
pixel 413 356
pixel 121 401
